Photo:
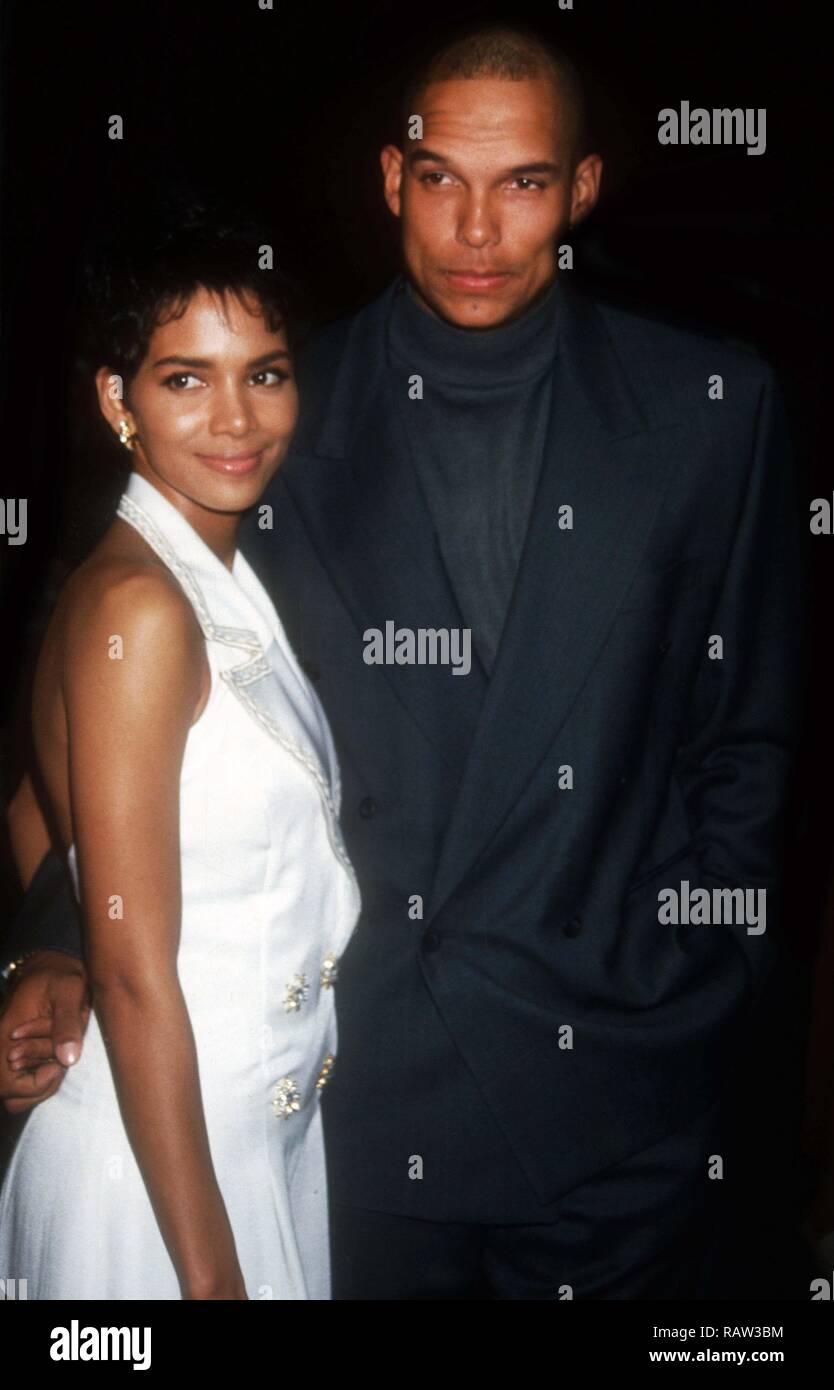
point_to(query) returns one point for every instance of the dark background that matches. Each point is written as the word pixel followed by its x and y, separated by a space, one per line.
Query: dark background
pixel 288 108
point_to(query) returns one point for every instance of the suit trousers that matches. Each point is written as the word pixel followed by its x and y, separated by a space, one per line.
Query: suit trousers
pixel 648 1228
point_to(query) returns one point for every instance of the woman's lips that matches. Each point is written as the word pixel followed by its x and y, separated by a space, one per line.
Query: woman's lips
pixel 236 464
pixel 476 280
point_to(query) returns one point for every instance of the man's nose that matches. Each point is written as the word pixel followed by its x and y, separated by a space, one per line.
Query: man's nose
pixel 478 225
pixel 233 411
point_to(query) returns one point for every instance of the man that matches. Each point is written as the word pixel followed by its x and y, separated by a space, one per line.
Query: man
pixel 538 555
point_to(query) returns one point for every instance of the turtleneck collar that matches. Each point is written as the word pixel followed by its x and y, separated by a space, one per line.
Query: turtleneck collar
pixel 484 357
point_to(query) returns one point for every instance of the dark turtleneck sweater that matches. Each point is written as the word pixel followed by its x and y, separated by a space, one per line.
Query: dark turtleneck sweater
pixel 476 441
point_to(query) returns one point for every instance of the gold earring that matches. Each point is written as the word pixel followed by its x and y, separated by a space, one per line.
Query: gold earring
pixel 125 435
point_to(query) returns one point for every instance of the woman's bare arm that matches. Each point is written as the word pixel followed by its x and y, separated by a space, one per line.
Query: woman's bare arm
pixel 127 722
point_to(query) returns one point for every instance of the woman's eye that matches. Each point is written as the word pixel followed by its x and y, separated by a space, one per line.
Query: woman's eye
pixel 179 381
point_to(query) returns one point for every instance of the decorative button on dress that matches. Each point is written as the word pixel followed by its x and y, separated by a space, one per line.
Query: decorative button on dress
pixel 269 901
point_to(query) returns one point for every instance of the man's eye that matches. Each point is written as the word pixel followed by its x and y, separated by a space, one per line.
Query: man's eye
pixel 434 176
pixel 259 378
pixel 178 381
pixel 528 183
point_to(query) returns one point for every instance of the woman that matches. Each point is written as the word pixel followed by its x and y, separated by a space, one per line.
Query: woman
pixel 192 780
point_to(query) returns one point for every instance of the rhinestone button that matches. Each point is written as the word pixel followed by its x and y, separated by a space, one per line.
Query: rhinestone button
pixel 329 971
pixel 287 1098
pixel 326 1070
pixel 295 993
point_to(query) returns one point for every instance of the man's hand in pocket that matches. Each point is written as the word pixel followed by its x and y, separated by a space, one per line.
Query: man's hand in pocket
pixel 42 1026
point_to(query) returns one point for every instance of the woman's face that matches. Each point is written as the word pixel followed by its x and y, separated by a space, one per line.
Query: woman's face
pixel 213 405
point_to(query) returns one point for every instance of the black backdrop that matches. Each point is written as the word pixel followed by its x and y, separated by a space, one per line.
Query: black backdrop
pixel 289 107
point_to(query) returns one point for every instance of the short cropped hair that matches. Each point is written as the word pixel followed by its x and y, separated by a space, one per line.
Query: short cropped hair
pixel 512 52
pixel 134 279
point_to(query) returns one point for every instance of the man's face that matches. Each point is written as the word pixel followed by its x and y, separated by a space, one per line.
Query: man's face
pixel 486 193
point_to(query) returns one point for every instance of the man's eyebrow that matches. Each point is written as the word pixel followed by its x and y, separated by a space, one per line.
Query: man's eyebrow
pixel 538 166
pixel 541 166
pixel 414 156
pixel 205 362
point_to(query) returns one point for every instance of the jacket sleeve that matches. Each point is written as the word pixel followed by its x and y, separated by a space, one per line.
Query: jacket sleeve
pixel 736 756
pixel 48 918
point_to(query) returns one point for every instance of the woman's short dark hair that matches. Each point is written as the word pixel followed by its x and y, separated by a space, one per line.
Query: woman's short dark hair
pixel 136 278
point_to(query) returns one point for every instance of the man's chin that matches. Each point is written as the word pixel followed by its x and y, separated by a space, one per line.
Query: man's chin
pixel 470 309
pixel 479 315
pixel 474 310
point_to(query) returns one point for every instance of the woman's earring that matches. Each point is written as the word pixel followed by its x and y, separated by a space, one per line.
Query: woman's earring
pixel 125 436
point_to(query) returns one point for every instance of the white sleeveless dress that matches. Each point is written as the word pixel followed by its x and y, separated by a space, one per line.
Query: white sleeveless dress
pixel 269 902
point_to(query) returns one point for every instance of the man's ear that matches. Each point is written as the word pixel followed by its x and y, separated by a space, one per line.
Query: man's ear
pixel 110 392
pixel 391 160
pixel 585 192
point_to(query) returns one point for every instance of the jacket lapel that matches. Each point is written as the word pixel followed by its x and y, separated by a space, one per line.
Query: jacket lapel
pixel 360 498
pixel 603 460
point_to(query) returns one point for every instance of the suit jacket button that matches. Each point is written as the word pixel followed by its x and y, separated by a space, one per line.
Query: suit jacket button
pixel 573 926
pixel 664 647
pixel 367 807
pixel 431 940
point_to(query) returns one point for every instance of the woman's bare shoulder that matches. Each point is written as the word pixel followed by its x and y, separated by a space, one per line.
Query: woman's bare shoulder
pixel 122 603
pixel 123 577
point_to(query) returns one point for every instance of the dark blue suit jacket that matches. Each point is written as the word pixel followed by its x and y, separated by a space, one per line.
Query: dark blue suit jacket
pixel 511 1011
